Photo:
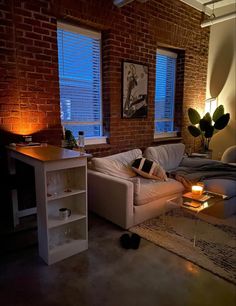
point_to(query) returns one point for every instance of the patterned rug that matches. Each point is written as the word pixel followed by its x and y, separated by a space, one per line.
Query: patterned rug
pixel 215 248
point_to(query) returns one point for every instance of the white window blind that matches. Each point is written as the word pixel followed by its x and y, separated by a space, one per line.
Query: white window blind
pixel 80 79
pixel 165 91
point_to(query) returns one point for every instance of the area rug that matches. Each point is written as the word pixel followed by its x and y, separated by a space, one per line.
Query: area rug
pixel 215 248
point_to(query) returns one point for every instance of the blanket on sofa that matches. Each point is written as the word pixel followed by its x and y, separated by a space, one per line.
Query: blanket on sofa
pixel 190 175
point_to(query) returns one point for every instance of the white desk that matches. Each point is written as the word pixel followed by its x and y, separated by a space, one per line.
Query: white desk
pixel 60 181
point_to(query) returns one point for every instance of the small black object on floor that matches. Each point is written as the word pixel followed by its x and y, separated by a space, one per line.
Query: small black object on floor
pixel 130 242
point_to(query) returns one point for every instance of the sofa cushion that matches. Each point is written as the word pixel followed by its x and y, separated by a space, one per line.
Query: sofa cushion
pixel 112 167
pixel 151 190
pixel 168 156
pixel 118 164
pixel 149 169
pixel 127 157
pixel 197 162
pixel 222 186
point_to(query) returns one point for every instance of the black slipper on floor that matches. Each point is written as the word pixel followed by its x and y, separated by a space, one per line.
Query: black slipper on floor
pixel 125 241
pixel 135 241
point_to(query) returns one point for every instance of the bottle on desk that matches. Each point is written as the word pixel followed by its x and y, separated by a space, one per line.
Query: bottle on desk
pixel 80 141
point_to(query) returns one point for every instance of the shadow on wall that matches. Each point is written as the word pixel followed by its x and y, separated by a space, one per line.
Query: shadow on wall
pixel 221 67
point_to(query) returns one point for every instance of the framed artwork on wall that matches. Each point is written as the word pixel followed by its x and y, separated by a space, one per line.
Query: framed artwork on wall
pixel 134 90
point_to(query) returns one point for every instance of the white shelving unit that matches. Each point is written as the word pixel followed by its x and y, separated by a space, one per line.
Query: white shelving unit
pixel 61 182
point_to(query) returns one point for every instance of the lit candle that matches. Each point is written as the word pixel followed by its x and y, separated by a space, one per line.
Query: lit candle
pixel 197 190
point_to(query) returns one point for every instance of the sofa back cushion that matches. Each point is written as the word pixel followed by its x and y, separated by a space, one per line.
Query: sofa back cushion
pixel 127 157
pixel 112 167
pixel 168 156
pixel 118 164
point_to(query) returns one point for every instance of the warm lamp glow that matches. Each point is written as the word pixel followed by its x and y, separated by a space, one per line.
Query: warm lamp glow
pixel 197 190
pixel 24 129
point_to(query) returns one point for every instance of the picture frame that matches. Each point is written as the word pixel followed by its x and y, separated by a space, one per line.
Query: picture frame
pixel 134 90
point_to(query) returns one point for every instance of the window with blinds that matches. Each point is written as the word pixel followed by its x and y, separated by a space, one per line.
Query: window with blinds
pixel 79 56
pixel 165 91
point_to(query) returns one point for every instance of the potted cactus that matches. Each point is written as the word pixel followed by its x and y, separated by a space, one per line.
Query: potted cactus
pixel 207 126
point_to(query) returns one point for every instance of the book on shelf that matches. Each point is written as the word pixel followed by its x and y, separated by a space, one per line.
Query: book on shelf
pixel 200 198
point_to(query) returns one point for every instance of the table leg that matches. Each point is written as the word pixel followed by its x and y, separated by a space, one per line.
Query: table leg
pixel 195 232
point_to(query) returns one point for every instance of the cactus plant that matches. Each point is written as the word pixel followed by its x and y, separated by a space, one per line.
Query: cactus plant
pixel 207 126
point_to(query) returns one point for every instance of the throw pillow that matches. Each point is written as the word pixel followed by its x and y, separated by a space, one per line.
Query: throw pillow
pixel 149 169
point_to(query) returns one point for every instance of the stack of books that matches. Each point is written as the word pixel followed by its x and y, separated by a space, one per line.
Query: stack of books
pixel 194 201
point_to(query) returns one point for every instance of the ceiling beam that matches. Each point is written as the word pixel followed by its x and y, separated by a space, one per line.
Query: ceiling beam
pixel 211 21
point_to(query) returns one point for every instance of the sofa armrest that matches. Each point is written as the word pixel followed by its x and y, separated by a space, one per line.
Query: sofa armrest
pixel 111 197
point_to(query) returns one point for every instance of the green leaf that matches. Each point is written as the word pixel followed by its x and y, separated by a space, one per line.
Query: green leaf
pixel 209 132
pixel 194 116
pixel 219 112
pixel 207 117
pixel 204 124
pixel 194 131
pixel 221 123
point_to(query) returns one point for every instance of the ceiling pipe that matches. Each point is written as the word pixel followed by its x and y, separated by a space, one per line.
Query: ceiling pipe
pixel 209 22
pixel 211 2
pixel 120 3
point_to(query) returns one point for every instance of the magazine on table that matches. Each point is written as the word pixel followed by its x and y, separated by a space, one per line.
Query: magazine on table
pixel 200 198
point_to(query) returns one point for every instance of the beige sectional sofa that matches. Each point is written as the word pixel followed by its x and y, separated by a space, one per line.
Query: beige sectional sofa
pixel 116 193
pixel 127 201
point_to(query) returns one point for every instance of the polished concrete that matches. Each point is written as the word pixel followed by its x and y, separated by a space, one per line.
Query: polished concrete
pixel 108 275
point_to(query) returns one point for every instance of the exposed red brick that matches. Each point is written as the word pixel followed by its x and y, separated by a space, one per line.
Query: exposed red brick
pixel 29 87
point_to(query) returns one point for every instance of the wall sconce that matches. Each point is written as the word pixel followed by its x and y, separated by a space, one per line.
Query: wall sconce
pixel 211 105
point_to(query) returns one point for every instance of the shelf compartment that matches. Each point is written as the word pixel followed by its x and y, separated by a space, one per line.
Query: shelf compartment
pixel 68 249
pixel 67 240
pixel 63 194
pixel 75 230
pixel 77 203
pixel 56 221
pixel 59 180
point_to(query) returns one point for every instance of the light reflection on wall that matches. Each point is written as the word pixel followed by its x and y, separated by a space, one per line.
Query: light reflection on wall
pixel 24 128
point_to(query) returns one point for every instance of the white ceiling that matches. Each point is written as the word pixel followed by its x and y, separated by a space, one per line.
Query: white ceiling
pixel 218 8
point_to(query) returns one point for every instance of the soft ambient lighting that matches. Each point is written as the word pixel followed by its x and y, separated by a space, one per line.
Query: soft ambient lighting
pixel 197 190
pixel 25 129
pixel 210 105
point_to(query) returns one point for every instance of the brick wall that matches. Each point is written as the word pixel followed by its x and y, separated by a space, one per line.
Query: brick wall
pixel 29 93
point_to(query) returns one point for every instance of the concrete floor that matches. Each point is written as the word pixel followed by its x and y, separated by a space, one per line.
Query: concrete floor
pixel 108 275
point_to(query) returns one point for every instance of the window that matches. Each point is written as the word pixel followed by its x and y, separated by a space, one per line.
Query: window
pixel 165 93
pixel 80 79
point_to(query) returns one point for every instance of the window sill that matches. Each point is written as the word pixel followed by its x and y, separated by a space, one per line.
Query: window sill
pixel 95 141
pixel 165 135
pixel 167 139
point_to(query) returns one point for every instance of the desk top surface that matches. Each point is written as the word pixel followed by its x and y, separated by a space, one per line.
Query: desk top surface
pixel 47 153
